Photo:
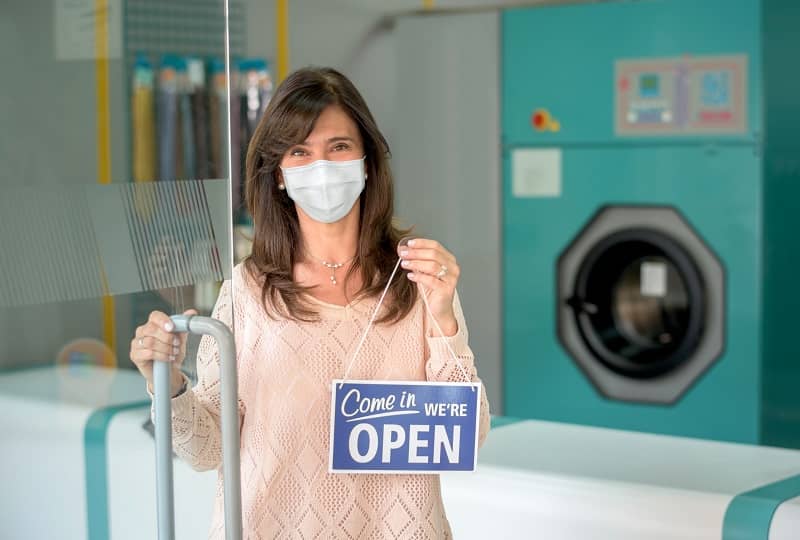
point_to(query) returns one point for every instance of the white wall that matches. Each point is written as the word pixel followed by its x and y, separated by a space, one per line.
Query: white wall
pixel 261 29
pixel 447 160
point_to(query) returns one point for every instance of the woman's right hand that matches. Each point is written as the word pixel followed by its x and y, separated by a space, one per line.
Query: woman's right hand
pixel 156 341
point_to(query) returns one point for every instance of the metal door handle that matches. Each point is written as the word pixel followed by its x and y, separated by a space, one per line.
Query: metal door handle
pixel 229 415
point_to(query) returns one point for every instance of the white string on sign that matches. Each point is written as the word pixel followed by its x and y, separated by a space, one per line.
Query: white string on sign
pixel 369 325
pixel 424 293
pixel 441 334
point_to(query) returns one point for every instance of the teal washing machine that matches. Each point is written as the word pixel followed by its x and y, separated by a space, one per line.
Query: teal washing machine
pixel 651 204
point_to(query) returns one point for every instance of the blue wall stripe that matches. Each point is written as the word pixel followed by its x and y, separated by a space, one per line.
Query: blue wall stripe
pixel 749 514
pixel 95 436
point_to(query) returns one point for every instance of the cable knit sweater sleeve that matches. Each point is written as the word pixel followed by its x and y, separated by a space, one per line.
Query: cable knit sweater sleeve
pixel 196 429
pixel 442 367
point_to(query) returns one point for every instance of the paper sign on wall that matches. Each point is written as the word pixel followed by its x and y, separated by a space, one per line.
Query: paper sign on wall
pixel 536 172
pixel 396 427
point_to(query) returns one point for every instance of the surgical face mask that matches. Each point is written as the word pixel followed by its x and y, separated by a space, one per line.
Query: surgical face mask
pixel 325 190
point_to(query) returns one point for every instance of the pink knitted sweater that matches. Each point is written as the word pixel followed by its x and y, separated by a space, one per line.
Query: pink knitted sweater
pixel 285 370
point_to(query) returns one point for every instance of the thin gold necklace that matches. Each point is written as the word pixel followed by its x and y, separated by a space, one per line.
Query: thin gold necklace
pixel 333 267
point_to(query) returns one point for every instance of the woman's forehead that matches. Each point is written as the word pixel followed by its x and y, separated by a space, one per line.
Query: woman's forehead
pixel 333 122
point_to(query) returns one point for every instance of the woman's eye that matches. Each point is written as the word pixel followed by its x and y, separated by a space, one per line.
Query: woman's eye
pixel 298 152
pixel 341 147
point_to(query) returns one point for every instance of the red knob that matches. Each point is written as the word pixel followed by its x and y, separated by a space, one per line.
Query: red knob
pixel 540 119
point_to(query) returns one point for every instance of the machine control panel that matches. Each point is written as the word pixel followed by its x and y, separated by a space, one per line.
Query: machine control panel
pixel 681 96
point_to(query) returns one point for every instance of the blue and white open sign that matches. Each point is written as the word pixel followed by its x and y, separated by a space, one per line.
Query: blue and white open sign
pixel 404 427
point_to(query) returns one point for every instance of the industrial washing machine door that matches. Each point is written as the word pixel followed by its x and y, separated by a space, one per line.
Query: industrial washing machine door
pixel 640 305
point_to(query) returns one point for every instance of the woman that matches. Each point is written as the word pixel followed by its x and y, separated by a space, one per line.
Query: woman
pixel 320 191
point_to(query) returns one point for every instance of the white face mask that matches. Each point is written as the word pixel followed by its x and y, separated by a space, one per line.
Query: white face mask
pixel 325 190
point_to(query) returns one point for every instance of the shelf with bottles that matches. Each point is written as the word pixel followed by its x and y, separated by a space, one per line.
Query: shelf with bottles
pixel 180 113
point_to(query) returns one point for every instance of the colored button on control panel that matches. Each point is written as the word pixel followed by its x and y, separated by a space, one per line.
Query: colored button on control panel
pixel 541 120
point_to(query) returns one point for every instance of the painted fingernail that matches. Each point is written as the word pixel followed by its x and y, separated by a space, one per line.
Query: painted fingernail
pixel 405 264
pixel 412 276
pixel 411 243
pixel 171 358
pixel 176 341
pixel 404 253
pixel 169 326
pixel 175 350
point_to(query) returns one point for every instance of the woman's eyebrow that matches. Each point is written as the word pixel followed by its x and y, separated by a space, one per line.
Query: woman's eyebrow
pixel 340 139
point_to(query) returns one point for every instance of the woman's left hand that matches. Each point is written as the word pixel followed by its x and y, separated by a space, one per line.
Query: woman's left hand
pixel 432 266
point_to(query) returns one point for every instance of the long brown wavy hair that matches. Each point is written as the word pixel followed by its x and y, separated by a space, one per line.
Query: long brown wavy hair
pixel 277 242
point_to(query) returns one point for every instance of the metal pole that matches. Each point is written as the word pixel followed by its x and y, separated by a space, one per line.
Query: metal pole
pixel 229 416
pixel 231 469
pixel 163 434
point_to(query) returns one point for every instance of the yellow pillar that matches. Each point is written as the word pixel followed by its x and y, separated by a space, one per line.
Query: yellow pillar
pixel 103 141
pixel 282 37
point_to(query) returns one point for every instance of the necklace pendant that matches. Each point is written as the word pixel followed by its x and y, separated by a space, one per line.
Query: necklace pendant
pixel 333 280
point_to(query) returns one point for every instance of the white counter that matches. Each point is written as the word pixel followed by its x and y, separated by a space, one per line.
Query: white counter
pixel 45 471
pixel 534 479
pixel 560 481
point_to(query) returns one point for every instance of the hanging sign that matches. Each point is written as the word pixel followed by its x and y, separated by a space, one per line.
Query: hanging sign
pixel 396 427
